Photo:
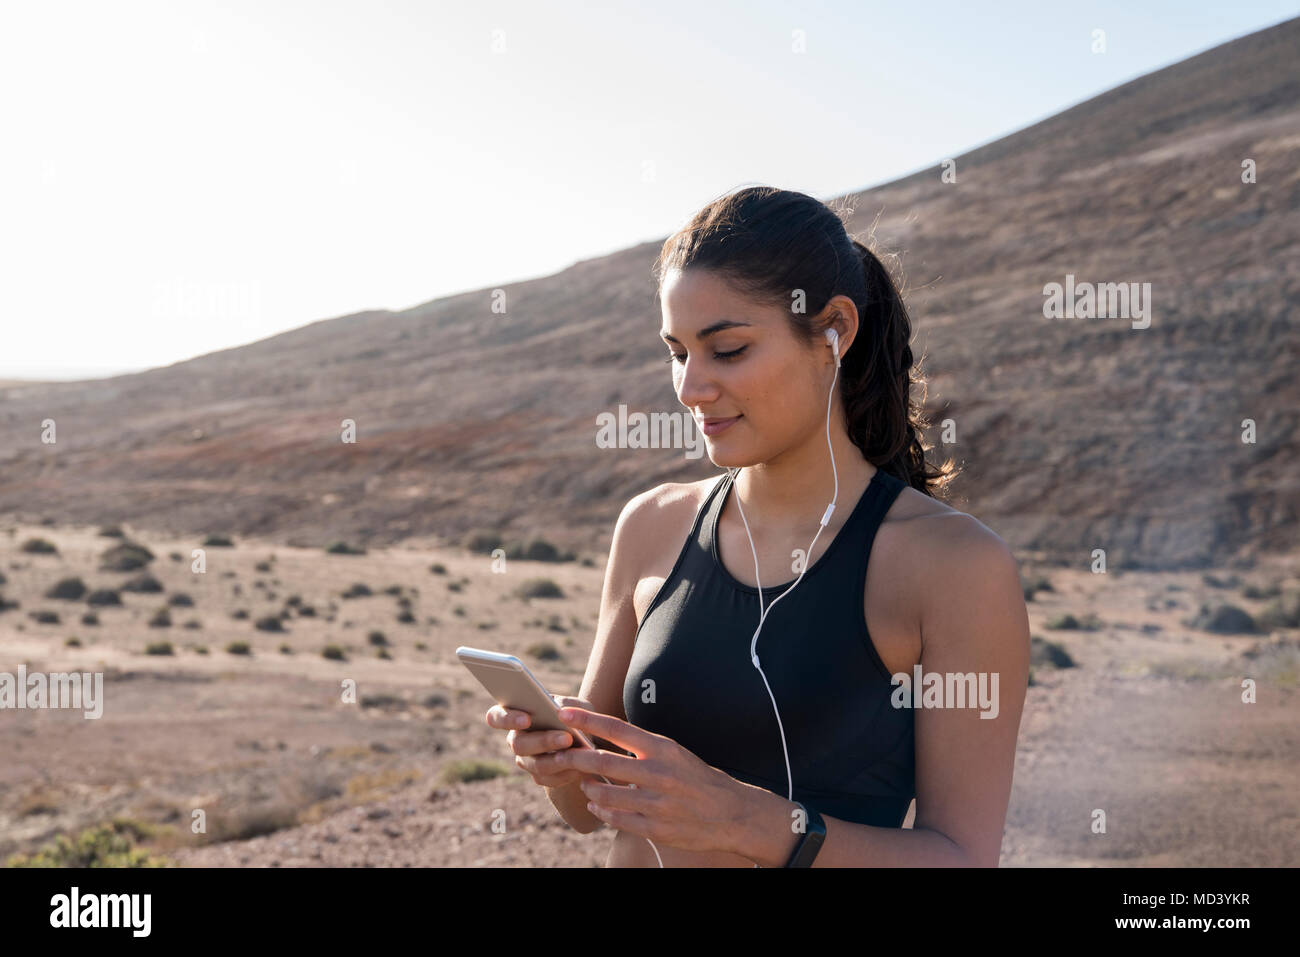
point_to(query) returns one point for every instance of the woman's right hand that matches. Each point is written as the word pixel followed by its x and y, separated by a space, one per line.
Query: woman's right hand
pixel 535 750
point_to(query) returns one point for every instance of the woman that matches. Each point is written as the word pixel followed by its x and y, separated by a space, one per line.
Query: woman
pixel 737 703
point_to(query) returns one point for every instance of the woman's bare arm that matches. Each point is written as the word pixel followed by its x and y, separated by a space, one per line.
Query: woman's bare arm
pixel 602 685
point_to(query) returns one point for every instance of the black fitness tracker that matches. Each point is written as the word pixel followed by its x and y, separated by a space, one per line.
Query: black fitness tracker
pixel 811 841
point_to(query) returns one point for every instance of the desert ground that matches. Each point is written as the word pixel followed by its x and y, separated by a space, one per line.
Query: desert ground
pixel 249 724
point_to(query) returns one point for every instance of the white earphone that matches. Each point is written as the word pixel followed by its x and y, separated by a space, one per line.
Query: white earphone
pixel 833 338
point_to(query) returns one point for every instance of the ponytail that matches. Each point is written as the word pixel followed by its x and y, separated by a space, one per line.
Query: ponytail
pixel 883 419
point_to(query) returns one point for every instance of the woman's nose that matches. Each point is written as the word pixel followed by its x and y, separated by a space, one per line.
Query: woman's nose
pixel 695 387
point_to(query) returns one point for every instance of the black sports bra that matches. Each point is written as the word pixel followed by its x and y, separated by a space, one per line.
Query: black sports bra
pixel 690 677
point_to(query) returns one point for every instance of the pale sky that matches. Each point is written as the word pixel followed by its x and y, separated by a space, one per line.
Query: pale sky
pixel 181 176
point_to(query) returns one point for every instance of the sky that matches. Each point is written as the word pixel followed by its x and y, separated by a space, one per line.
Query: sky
pixel 186 176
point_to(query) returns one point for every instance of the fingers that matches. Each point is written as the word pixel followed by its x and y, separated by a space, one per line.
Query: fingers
pixel 564 700
pixel 616 767
pixel 616 798
pixel 545 771
pixel 507 718
pixel 627 736
pixel 530 743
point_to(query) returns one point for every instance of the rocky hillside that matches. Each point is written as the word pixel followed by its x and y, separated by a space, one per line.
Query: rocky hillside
pixel 1073 433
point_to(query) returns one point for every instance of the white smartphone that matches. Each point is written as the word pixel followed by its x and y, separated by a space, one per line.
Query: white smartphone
pixel 508 680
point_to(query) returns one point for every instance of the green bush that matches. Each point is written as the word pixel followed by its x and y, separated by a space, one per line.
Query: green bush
pixel 358 590
pixel 343 548
pixel 438 568
pixel 239 648
pixel 1070 623
pixel 162 618
pixel 112 531
pixel 472 770
pixel 1224 619
pixel 44 617
pixel 539 588
pixel 544 651
pixel 103 596
pixel 482 543
pixel 218 541
pixel 377 638
pixel 1034 585
pixel 1048 654
pixel 105 845
pixel 143 584
pixel 1282 613
pixel 538 550
pixel 68 589
pixel 1214 582
pixel 1254 592
pixel 39 546
pixel 160 648
pixel 388 702
pixel 125 557
pixel 269 623
pixel 333 653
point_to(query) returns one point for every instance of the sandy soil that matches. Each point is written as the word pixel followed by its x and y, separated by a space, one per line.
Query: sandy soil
pixel 1149 726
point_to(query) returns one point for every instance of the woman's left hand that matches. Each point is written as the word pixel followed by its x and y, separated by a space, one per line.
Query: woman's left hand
pixel 675 798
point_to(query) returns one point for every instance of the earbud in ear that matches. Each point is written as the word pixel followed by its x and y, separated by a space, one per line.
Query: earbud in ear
pixel 833 338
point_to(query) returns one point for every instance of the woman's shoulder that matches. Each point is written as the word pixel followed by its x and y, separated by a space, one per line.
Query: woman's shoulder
pixel 955 578
pixel 940 543
pixel 663 507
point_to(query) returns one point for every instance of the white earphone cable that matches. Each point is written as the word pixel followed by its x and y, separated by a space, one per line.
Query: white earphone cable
pixel 763 612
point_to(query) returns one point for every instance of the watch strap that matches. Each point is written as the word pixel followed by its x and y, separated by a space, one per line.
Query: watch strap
pixel 810 842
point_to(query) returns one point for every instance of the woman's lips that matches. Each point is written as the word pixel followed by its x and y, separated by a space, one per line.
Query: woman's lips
pixel 716 426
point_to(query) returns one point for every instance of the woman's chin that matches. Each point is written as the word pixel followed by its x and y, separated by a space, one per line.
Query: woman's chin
pixel 727 458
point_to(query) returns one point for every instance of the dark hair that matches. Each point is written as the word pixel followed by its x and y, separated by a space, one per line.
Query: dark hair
pixel 768 243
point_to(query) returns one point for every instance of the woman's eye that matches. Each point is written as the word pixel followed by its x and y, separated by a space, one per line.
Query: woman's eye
pixel 722 356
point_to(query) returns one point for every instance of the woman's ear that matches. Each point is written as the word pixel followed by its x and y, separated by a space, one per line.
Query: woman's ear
pixel 842 317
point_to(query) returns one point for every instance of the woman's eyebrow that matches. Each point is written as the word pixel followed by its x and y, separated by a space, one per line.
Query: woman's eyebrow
pixel 709 330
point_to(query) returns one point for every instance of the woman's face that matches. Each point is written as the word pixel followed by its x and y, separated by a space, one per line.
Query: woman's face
pixel 734 360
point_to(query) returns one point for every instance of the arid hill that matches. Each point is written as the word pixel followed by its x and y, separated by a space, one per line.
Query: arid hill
pixel 1074 433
